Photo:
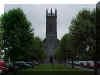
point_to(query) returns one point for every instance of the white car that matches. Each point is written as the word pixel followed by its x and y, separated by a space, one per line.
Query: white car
pixel 0 72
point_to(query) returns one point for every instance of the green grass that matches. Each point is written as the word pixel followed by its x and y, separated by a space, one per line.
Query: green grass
pixel 48 69
pixel 53 67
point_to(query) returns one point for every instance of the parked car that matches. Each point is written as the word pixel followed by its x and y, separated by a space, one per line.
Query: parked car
pixel 83 63
pixel 87 64
pixel 77 63
pixel 90 64
pixel 22 65
pixel 36 62
pixel 10 67
pixel 3 68
pixel 0 72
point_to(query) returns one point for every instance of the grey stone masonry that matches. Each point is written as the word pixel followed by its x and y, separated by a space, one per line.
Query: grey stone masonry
pixel 51 42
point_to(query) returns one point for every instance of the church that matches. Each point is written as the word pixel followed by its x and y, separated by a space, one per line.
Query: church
pixel 51 41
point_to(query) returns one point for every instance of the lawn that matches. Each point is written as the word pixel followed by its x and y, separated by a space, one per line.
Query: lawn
pixel 53 67
pixel 47 69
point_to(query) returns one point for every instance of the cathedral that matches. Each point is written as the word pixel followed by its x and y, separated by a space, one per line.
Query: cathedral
pixel 51 41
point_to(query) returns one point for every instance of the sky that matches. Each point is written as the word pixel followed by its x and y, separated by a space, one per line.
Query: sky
pixel 36 13
pixel 2 2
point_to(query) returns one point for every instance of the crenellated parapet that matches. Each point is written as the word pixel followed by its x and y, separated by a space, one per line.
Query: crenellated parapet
pixel 51 13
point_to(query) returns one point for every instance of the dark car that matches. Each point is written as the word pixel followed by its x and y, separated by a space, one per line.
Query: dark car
pixel 11 68
pixel 22 65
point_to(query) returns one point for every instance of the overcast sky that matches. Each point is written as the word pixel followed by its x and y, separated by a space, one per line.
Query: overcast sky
pixel 36 14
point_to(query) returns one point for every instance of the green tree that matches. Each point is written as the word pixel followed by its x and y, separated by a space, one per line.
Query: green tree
pixel 17 33
pixel 97 51
pixel 83 30
pixel 0 37
pixel 0 27
pixel 66 50
pixel 19 38
pixel 39 50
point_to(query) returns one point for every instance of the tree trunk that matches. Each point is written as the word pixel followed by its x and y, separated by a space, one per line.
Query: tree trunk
pixel 51 60
pixel 65 60
pixel 72 62
pixel 96 68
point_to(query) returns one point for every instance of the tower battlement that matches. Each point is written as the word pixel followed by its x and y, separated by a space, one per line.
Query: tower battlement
pixel 51 13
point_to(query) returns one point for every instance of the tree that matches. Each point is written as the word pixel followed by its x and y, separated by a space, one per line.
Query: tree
pixel 1 33
pixel 17 33
pixel 39 50
pixel 97 51
pixel 83 30
pixel 66 50
pixel 19 38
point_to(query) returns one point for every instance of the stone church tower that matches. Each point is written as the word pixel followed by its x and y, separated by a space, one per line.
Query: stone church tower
pixel 51 34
